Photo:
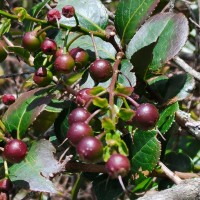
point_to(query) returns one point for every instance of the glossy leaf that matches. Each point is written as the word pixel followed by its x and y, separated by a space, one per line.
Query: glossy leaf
pixel 39 165
pixel 167 118
pixel 146 151
pixel 72 78
pixel 21 114
pixel 91 14
pixel 100 102
pixel 130 15
pixel 161 29
pixel 127 76
pixel 107 124
pixel 4 26
pixel 120 89
pixel 126 114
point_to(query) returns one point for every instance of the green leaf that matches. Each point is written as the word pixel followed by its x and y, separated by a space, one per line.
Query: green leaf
pixel 178 162
pixel 127 77
pixel 146 151
pixel 126 114
pixel 96 90
pixel 21 13
pixel 107 124
pixel 105 49
pixel 71 79
pixel 161 28
pixel 4 26
pixel 91 14
pixel 100 102
pixel 39 165
pixel 20 51
pixel 167 118
pixel 106 188
pixel 120 89
pixel 21 114
pixel 130 15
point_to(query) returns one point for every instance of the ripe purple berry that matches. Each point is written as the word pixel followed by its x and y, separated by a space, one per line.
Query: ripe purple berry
pixel 118 165
pixel 64 64
pixel 78 115
pixel 80 57
pixel 68 11
pixel 49 47
pixel 8 99
pixel 83 96
pixel 42 77
pixel 6 185
pixel 15 151
pixel 146 116
pixel 101 70
pixel 77 131
pixel 53 15
pixel 90 149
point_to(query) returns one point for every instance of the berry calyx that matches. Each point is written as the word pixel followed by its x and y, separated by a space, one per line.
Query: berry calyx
pixel 77 131
pixel 15 151
pixel 68 11
pixel 101 70
pixel 43 77
pixel 80 57
pixel 53 15
pixel 8 99
pixel 64 63
pixel 90 149
pixel 146 116
pixel 3 52
pixel 31 42
pixel 78 115
pixel 6 185
pixel 118 165
pixel 49 47
pixel 83 96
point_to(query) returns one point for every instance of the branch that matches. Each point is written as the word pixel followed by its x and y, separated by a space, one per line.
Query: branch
pixel 188 189
pixel 187 68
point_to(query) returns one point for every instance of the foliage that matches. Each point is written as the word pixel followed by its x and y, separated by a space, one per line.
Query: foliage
pixel 140 41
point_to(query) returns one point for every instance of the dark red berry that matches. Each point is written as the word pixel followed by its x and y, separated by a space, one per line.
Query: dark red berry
pixel 78 115
pixel 80 57
pixel 49 47
pixel 68 11
pixel 90 149
pixel 101 70
pixel 6 185
pixel 53 15
pixel 83 96
pixel 146 116
pixel 8 99
pixel 31 42
pixel 64 64
pixel 59 52
pixel 42 77
pixel 15 151
pixel 118 165
pixel 77 131
pixel 3 52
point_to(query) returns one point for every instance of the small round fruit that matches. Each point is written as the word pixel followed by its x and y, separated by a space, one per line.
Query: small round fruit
pixel 68 11
pixel 146 116
pixel 59 52
pixel 15 151
pixel 49 47
pixel 8 99
pixel 31 42
pixel 83 96
pixel 78 115
pixel 77 131
pixel 64 64
pixel 53 15
pixel 6 185
pixel 118 165
pixel 101 70
pixel 43 77
pixel 3 52
pixel 80 57
pixel 90 149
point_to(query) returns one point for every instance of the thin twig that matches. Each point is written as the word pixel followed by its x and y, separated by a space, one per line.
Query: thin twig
pixel 187 68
